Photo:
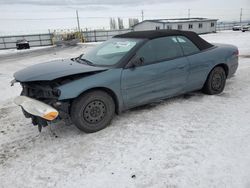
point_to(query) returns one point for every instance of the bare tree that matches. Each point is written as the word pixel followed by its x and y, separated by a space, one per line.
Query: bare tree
pixel 120 23
pixel 113 24
pixel 132 22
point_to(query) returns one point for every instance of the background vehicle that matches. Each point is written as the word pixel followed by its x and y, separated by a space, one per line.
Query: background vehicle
pixel 124 72
pixel 236 28
pixel 22 44
pixel 245 28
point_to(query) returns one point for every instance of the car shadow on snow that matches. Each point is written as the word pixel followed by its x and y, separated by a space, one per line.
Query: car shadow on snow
pixel 68 129
pixel 63 129
pixel 192 96
pixel 244 56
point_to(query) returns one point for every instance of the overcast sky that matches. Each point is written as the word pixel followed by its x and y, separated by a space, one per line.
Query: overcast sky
pixel 21 16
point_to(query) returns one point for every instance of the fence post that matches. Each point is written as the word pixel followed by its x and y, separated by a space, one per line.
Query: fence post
pixel 51 38
pixel 95 35
pixel 4 44
pixel 40 40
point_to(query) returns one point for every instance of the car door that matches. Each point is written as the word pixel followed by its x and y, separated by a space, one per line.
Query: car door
pixel 162 74
pixel 199 64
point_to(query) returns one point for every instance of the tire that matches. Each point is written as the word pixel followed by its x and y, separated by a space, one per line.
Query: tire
pixel 92 111
pixel 215 82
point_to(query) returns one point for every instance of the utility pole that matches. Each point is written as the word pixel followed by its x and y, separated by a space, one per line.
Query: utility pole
pixel 188 13
pixel 78 24
pixel 241 15
pixel 142 15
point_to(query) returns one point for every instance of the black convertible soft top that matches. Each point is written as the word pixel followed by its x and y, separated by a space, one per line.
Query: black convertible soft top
pixel 152 34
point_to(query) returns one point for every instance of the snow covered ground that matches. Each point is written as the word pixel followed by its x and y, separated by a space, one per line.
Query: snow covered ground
pixel 15 51
pixel 188 141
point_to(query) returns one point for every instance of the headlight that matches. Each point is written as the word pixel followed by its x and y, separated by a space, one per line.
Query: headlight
pixel 36 108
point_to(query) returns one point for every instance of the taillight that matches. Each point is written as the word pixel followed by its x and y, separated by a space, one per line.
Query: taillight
pixel 236 53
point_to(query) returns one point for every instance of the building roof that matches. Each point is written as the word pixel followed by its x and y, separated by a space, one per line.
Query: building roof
pixel 152 34
pixel 177 20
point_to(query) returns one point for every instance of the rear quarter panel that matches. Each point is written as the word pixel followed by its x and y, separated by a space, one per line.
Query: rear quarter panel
pixel 231 57
pixel 202 63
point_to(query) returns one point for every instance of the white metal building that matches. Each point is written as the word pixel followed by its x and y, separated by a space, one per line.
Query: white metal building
pixel 198 25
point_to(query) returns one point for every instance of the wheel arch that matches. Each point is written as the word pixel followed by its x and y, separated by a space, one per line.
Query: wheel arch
pixel 224 66
pixel 109 92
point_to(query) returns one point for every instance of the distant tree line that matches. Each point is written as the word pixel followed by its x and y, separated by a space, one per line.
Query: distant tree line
pixel 119 23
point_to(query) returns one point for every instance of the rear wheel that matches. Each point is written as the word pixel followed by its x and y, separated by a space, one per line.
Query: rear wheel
pixel 93 111
pixel 215 82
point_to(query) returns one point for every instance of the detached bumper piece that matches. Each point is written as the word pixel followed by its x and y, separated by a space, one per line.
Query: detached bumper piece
pixel 40 111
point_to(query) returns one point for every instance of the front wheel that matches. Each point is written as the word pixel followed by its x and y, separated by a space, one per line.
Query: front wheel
pixel 92 111
pixel 215 82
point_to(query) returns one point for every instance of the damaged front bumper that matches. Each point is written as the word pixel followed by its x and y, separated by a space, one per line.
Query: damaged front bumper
pixel 39 102
pixel 37 108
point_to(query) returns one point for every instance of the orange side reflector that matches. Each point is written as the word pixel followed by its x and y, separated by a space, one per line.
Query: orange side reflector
pixel 51 116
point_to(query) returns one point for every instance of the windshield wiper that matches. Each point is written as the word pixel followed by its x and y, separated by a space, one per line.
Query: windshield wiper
pixel 80 60
pixel 87 61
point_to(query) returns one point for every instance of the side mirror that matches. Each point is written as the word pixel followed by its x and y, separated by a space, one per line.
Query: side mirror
pixel 136 62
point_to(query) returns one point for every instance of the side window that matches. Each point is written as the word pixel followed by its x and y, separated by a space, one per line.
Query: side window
pixel 160 49
pixel 166 48
pixel 190 26
pixel 188 46
pixel 147 52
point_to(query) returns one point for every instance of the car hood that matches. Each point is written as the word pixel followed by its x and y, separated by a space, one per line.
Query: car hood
pixel 53 70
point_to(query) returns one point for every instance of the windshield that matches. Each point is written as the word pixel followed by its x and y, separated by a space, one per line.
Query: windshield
pixel 110 52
